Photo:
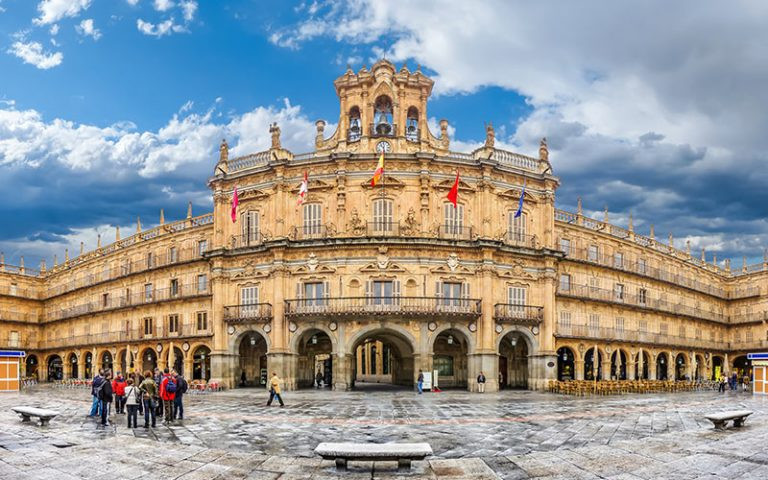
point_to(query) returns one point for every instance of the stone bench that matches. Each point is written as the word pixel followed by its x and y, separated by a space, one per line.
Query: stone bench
pixel 721 419
pixel 403 453
pixel 44 415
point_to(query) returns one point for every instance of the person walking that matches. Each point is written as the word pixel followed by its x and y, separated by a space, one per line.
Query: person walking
pixel 178 402
pixel 168 395
pixel 745 383
pixel 132 398
pixel 96 404
pixel 420 382
pixel 158 377
pixel 274 390
pixel 118 386
pixel 105 396
pixel 149 390
pixel 481 383
pixel 721 388
pixel 242 379
pixel 734 381
pixel 319 378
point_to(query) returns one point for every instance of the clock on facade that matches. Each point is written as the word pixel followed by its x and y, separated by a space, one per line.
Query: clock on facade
pixel 383 147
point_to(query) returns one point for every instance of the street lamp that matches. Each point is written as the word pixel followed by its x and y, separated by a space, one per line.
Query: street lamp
pixel 314 339
pixel 450 339
pixel 513 341
pixel 253 340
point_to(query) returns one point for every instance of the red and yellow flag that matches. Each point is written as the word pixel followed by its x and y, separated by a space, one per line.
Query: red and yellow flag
pixel 379 171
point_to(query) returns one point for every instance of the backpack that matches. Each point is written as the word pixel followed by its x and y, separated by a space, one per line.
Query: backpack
pixel 98 389
pixel 170 387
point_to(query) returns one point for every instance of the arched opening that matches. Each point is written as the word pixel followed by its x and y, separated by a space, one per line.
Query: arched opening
pixel 449 359
pixel 148 360
pixel 106 362
pixel 661 366
pixel 253 360
pixel 55 368
pixel 383 116
pixel 681 367
pixel 88 372
pixel 32 363
pixel 618 365
pixel 513 361
pixel 566 362
pixel 642 360
pixel 742 366
pixel 315 356
pixel 593 370
pixel 701 368
pixel 201 364
pixel 717 367
pixel 176 362
pixel 355 125
pixel 74 371
pixel 392 364
pixel 412 125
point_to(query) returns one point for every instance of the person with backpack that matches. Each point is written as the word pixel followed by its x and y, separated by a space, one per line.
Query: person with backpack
pixel 96 404
pixel 118 386
pixel 132 401
pixel 168 389
pixel 104 391
pixel 178 402
pixel 149 389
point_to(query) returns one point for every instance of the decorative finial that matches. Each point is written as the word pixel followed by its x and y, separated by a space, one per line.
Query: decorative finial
pixel 671 241
pixel 21 264
pixel 703 254
pixel 55 261
pixel 189 210
pixel 117 233
pixel 82 248
pixel 42 265
pixel 223 151
pixel 98 241
pixel 66 255
pixel 688 247
pixel 714 259
pixel 274 130
pixel 2 261
pixel 490 135
pixel 579 210
pixel 631 225
pixel 727 264
pixel 765 255
pixel 418 67
pixel 320 135
pixel 138 224
pixel 744 263
pixel 543 150
pixel 162 217
pixel 652 234
pixel 605 214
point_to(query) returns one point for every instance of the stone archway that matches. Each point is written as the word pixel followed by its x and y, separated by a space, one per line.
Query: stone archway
pixel 681 366
pixel 662 366
pixel 718 366
pixel 201 363
pixel 88 371
pixel 450 358
pixel 514 368
pixel 566 364
pixel 55 368
pixel 107 362
pixel 396 362
pixel 619 368
pixel 593 369
pixel 72 364
pixel 31 366
pixel 252 349
pixel 315 355
pixel 642 365
pixel 148 360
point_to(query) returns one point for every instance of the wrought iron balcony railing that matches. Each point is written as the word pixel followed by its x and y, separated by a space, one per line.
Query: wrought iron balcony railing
pixel 249 240
pixel 383 229
pixel 455 232
pixel 520 240
pixel 311 232
pixel 255 312
pixel 31 317
pixel 518 314
pixel 395 306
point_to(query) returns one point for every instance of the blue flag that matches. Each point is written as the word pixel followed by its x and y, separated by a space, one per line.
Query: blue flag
pixel 520 205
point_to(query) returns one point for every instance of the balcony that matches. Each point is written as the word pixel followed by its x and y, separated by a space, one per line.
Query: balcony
pixel 518 314
pixel 518 239
pixel 27 317
pixel 383 129
pixel 631 336
pixel 750 346
pixel 311 232
pixel 250 313
pixel 454 232
pixel 14 291
pixel 400 307
pixel 638 301
pixel 249 240
pixel 143 298
pixel 9 343
pixel 382 229
pixel 119 337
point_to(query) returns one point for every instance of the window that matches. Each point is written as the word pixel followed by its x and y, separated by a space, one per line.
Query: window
pixel 250 227
pixel 748 335
pixel 314 293
pixel 104 300
pixel 618 260
pixel 173 323
pixel 642 326
pixel 249 298
pixel 202 283
pixel 373 359
pixel 383 116
pixel 592 253
pixel 618 291
pixel 202 246
pixel 444 365
pixel 174 287
pixel 451 293
pixel 148 326
pixel 150 260
pixel 14 289
pixel 565 246
pixel 362 358
pixel 382 215
pixel 619 323
pixel 516 296
pixel 594 283
pixel 642 296
pixel 641 266
pixel 385 359
pixel 565 319
pixel 126 268
pixel 382 292
pixel 565 282
pixel 453 218
pixel 148 292
pixel 594 323
pixel 13 339
pixel 412 125
pixel 202 320
pixel 313 219
pixel 355 126
pixel 173 255
pixel 516 226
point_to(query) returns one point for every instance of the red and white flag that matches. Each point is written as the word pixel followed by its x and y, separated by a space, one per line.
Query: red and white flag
pixel 235 202
pixel 303 189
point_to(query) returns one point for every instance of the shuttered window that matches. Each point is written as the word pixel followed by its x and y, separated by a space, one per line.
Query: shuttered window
pixel 516 296
pixel 250 227
pixel 313 218
pixel 382 215
pixel 516 226
pixel 249 297
pixel 453 218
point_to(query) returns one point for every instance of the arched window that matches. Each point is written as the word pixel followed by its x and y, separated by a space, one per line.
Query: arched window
pixel 355 127
pixel 412 125
pixel 382 215
pixel 382 116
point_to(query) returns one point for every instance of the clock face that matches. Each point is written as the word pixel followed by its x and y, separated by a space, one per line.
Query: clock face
pixel 384 147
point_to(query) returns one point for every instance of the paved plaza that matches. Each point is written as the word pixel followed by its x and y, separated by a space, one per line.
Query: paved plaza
pixel 507 435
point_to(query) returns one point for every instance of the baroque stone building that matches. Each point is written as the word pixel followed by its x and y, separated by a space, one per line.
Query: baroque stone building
pixel 373 284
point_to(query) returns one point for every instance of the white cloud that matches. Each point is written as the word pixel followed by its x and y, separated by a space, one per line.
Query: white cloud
pixel 188 9
pixel 87 29
pixel 163 5
pixel 51 11
pixel 33 53
pixel 159 30
pixel 132 3
pixel 54 30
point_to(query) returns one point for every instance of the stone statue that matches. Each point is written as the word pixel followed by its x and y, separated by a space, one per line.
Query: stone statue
pixel 275 131
pixel 356 226
pixel 223 151
pixel 410 226
pixel 490 135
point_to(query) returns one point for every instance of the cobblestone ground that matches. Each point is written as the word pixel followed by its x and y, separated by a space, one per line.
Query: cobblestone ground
pixel 507 435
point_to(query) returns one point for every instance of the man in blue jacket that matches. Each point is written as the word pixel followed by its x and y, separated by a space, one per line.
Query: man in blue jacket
pixel 96 405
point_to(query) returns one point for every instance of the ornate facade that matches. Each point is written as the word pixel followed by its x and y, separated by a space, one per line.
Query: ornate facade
pixel 374 284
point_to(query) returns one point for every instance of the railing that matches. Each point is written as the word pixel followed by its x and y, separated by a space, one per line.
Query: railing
pixel 518 314
pixel 641 301
pixel 310 232
pixel 382 229
pixel 752 345
pixel 519 240
pixel 741 318
pixel 248 161
pixel 30 317
pixel 143 298
pixel 255 312
pixel 383 129
pixel 15 291
pixel 466 157
pixel 184 330
pixel 516 160
pixel 249 240
pixel 18 343
pixel 30 272
pixel 454 232
pixel 744 292
pixel 375 306
pixel 604 333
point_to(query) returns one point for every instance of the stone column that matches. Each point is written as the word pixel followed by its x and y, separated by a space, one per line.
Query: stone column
pixel 578 367
pixel 631 370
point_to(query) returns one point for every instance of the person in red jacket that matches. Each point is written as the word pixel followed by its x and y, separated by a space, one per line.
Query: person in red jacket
pixel 168 389
pixel 118 387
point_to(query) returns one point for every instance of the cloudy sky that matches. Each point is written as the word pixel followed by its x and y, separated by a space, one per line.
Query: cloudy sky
pixel 110 109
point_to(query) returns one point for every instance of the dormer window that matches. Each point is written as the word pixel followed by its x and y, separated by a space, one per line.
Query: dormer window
pixel 355 126
pixel 412 125
pixel 382 117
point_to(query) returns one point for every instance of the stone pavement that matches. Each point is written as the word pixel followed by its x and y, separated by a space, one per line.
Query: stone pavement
pixel 506 435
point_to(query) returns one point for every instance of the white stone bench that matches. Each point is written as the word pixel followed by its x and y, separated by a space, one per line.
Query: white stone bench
pixel 721 419
pixel 403 453
pixel 44 415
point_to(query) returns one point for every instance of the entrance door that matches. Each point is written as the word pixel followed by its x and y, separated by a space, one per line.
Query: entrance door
pixel 502 372
pixel 328 372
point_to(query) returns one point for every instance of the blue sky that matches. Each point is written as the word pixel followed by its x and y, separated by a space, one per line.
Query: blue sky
pixel 114 109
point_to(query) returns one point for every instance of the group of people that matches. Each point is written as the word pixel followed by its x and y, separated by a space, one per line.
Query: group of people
pixel 153 394
pixel 733 381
